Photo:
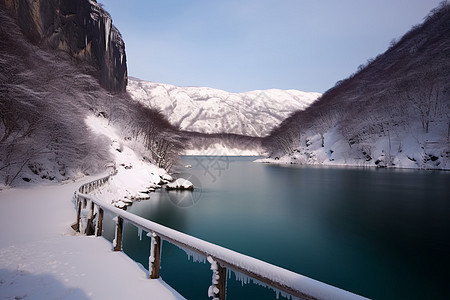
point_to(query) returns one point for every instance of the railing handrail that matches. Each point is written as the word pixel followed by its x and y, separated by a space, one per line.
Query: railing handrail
pixel 284 280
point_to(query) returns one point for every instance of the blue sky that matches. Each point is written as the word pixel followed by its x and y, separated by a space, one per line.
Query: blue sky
pixel 242 45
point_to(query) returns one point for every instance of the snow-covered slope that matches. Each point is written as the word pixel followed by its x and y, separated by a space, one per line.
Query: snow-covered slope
pixel 41 257
pixel 208 110
pixel 45 97
pixel 393 112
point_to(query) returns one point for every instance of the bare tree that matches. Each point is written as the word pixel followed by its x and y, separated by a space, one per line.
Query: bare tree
pixel 422 91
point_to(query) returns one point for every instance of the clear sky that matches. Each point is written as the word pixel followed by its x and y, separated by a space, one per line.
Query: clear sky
pixel 242 45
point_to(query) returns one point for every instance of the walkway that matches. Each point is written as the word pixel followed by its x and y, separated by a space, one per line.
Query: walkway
pixel 42 258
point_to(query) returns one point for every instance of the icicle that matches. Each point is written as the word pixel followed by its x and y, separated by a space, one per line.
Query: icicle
pixel 196 257
pixel 107 32
pixel 244 279
pixel 139 233
pixel 116 220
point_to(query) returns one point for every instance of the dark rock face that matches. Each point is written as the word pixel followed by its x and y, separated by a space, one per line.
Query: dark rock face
pixel 81 28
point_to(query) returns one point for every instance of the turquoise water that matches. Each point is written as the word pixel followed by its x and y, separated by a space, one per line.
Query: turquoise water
pixel 383 234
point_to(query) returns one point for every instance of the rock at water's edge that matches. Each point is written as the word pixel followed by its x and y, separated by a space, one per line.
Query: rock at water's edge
pixel 180 184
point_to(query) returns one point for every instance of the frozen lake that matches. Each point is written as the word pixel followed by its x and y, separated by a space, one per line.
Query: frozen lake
pixel 383 234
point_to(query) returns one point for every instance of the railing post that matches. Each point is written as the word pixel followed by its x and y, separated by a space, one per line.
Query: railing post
pixel 155 256
pixel 217 290
pixel 89 227
pixel 222 282
pixel 78 215
pixel 118 237
pixel 99 222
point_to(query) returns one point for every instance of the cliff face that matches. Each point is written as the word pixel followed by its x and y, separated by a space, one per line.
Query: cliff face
pixel 81 28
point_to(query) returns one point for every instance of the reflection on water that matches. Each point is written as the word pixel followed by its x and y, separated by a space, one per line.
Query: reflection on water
pixel 384 234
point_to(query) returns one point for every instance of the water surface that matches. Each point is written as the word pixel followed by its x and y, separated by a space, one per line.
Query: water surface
pixel 380 233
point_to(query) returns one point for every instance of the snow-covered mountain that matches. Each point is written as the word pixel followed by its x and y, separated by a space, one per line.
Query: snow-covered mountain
pixel 209 110
pixel 393 112
pixel 46 98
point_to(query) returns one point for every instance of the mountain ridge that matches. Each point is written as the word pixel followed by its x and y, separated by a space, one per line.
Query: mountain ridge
pixel 209 110
pixel 393 112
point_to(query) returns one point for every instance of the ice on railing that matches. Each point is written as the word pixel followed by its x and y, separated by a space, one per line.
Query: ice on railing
pixel 196 257
pixel 152 258
pixel 213 291
pixel 95 219
pixel 244 279
pixel 139 233
pixel 83 219
pixel 116 220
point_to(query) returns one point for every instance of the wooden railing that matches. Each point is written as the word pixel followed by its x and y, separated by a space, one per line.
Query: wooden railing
pixel 220 258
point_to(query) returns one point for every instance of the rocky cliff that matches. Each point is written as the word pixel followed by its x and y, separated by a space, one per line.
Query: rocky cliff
pixel 81 28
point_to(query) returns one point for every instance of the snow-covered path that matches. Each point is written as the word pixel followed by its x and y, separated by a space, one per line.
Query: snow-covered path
pixel 42 258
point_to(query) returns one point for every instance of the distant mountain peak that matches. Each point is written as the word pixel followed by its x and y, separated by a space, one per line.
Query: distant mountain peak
pixel 209 110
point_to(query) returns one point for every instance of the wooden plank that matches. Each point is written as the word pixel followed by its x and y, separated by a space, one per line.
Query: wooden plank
pixel 99 230
pixel 222 283
pixel 119 232
pixel 90 226
pixel 78 215
pixel 156 255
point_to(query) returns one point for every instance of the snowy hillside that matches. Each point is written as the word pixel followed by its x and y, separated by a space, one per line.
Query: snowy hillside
pixel 208 110
pixel 45 98
pixel 393 112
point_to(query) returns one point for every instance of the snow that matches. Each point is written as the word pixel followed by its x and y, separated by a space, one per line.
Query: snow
pixel 218 149
pixel 213 291
pixel 407 149
pixel 208 110
pixel 135 177
pixel 42 258
pixel 180 184
pixel 166 177
pixel 151 258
